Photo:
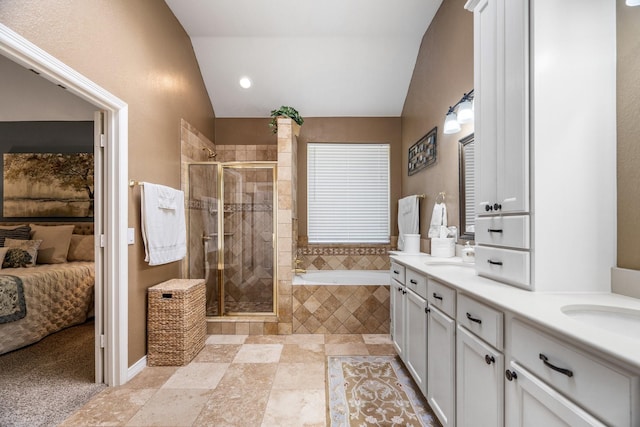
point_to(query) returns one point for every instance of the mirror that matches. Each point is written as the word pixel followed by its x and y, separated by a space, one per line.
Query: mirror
pixel 466 166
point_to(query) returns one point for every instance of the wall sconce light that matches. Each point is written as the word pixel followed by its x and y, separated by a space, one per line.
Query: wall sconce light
pixel 464 114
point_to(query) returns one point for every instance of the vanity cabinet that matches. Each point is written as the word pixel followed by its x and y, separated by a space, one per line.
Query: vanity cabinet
pixel 479 364
pixel 416 343
pixel 526 58
pixel 398 308
pixel 441 346
pixel 531 402
pixel 585 387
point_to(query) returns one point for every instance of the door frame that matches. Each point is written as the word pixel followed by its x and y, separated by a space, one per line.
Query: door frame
pixel 111 225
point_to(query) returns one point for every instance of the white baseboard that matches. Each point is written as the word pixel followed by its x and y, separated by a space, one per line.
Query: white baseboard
pixel 625 282
pixel 136 368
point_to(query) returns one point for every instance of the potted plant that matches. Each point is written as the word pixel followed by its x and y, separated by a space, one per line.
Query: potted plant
pixel 284 111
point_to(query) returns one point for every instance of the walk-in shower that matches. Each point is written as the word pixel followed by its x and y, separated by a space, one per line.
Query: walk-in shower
pixel 233 251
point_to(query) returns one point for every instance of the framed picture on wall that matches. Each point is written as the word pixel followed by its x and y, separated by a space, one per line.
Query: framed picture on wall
pixel 48 185
pixel 423 153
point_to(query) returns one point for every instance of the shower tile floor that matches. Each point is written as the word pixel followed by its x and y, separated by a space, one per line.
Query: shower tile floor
pixel 236 380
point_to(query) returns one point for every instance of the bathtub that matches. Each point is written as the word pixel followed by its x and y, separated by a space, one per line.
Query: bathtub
pixel 342 277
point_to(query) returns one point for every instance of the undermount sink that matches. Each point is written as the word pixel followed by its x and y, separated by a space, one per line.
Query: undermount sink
pixel 618 320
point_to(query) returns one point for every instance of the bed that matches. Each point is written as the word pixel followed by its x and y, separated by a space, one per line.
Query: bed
pixel 57 295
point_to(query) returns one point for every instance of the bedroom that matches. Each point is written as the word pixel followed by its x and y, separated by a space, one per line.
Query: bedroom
pixel 42 118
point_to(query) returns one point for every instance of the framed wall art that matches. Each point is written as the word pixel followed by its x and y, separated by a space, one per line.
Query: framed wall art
pixel 48 185
pixel 423 152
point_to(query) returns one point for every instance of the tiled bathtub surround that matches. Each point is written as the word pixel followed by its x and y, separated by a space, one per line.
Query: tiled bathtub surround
pixel 343 257
pixel 341 309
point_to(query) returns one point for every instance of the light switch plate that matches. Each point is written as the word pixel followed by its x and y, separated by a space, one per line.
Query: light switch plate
pixel 131 239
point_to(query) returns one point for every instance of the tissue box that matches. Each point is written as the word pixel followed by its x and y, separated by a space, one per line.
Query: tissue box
pixel 443 247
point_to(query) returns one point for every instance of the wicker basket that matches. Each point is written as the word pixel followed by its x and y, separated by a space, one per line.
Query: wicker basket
pixel 176 325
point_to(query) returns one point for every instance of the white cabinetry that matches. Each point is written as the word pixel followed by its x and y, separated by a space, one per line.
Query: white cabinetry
pixel 409 319
pixel 479 364
pixel 534 159
pixel 544 365
pixel 416 344
pixel 441 360
pixel 441 372
pixel 398 307
pixel 531 402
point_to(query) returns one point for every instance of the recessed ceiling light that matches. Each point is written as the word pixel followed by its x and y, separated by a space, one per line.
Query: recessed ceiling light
pixel 245 82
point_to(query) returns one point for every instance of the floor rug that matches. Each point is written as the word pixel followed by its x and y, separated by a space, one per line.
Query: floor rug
pixel 375 391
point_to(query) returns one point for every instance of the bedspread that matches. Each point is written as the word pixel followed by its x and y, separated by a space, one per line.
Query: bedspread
pixel 57 296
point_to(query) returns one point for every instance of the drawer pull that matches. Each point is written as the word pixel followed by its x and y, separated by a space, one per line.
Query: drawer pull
pixel 396 272
pixel 436 296
pixel 494 262
pixel 545 360
pixel 399 289
pixel 510 375
pixel 494 230
pixel 413 282
pixel 404 292
pixel 473 319
pixel 489 359
pixel 426 310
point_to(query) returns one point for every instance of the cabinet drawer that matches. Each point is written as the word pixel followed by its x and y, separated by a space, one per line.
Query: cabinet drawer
pixel 416 282
pixel 504 264
pixel 606 391
pixel 397 271
pixel 510 231
pixel 442 296
pixel 482 320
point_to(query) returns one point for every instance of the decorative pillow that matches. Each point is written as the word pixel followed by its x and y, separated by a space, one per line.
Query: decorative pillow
pixel 55 242
pixel 81 248
pixel 3 252
pixel 21 232
pixel 16 258
pixel 30 246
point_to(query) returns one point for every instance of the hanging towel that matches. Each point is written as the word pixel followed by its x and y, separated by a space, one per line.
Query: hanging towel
pixel 438 224
pixel 164 229
pixel 408 218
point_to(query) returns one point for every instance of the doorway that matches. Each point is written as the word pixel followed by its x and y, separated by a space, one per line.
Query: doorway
pixel 110 201
pixel 232 223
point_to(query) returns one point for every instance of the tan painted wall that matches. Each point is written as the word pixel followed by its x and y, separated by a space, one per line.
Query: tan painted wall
pixel 249 131
pixel 443 73
pixel 139 52
pixel 628 110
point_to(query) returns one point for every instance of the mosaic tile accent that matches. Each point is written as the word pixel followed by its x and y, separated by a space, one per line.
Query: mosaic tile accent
pixel 357 309
pixel 343 257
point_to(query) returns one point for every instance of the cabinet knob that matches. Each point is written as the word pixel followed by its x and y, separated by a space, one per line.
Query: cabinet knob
pixel 489 359
pixel 488 208
pixel 497 206
pixel 510 375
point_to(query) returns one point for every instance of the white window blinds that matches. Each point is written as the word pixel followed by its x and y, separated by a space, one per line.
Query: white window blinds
pixel 348 193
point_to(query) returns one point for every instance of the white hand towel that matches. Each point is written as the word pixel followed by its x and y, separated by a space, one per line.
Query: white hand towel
pixel 408 218
pixel 438 220
pixel 164 229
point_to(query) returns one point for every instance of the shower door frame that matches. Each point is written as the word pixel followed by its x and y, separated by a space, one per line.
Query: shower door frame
pixel 221 229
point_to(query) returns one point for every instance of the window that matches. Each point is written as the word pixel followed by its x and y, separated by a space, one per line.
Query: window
pixel 348 193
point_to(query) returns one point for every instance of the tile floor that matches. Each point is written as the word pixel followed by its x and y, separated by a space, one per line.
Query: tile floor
pixel 236 380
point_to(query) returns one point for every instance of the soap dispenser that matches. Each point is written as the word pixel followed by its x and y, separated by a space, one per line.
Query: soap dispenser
pixel 468 253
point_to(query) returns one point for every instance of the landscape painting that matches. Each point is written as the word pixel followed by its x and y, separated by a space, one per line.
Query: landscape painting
pixel 48 185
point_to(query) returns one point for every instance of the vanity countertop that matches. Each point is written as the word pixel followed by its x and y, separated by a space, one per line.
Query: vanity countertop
pixel 542 308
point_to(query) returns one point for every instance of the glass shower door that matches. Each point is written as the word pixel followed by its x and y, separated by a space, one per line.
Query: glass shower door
pixel 203 223
pixel 249 224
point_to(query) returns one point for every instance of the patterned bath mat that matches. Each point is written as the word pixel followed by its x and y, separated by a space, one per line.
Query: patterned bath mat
pixel 374 391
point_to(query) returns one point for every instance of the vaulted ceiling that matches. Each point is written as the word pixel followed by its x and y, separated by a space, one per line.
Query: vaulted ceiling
pixel 328 58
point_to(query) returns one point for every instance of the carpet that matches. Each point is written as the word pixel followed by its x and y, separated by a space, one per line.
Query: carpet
pixel 44 383
pixel 375 391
